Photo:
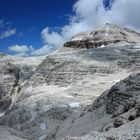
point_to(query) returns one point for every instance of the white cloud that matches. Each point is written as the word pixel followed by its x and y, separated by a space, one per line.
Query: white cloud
pixel 31 48
pixel 18 48
pixel 21 50
pixel 42 51
pixel 51 38
pixel 53 41
pixel 7 33
pixel 127 12
pixel 24 54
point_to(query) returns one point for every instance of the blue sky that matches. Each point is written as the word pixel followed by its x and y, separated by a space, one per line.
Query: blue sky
pixel 37 27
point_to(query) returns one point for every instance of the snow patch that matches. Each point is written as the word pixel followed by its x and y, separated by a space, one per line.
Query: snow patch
pixel 42 126
pixel 136 47
pixel 2 114
pixel 77 38
pixel 114 81
pixel 106 34
pixel 102 46
pixel 74 105
pixel 81 36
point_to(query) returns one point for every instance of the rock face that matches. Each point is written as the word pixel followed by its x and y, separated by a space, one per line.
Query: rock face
pixel 122 104
pixel 123 91
pixel 9 80
pixel 52 98
pixel 110 34
pixel 13 71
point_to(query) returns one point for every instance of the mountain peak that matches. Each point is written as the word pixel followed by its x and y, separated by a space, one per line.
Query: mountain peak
pixel 109 34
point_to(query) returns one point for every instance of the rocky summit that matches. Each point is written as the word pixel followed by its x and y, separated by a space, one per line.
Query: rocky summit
pixel 88 90
pixel 110 34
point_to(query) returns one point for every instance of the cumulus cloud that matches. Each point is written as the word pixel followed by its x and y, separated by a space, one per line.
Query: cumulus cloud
pixel 7 33
pixel 51 38
pixel 21 50
pixel 24 54
pixel 18 48
pixel 128 11
pixel 45 50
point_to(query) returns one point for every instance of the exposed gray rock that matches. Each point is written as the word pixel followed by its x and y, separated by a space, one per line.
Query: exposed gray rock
pixel 123 125
pixel 109 34
pixel 47 99
pixel 9 81
pixel 124 93
pixel 10 134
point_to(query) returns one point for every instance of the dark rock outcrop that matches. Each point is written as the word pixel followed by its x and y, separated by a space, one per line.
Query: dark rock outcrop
pixel 123 94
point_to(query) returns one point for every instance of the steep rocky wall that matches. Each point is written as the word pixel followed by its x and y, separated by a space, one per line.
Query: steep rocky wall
pixel 122 105
pixel 8 82
pixel 13 72
pixel 91 44
pixel 65 71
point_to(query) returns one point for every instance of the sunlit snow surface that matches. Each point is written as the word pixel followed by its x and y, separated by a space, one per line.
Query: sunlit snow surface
pixel 74 105
pixel 102 46
pixel 136 47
